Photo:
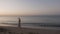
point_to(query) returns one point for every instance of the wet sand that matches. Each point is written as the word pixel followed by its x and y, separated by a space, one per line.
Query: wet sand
pixel 17 30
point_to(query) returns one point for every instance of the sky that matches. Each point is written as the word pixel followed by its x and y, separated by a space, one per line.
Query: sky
pixel 29 7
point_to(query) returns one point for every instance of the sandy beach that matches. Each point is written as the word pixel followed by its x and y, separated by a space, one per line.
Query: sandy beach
pixel 17 30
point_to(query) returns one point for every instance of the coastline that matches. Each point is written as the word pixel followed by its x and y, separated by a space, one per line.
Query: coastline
pixel 29 30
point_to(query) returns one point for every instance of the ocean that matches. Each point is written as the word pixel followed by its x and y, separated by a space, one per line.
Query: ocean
pixel 31 21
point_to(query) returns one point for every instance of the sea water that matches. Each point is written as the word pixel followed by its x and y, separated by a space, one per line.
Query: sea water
pixel 31 21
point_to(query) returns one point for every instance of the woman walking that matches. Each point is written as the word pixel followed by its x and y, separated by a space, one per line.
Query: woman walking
pixel 19 22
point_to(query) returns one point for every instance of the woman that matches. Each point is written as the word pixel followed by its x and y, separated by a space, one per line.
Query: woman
pixel 19 22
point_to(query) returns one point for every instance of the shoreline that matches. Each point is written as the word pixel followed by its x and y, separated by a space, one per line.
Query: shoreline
pixel 52 28
pixel 29 30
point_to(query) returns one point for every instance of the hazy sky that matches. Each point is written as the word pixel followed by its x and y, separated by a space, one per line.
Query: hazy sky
pixel 29 7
